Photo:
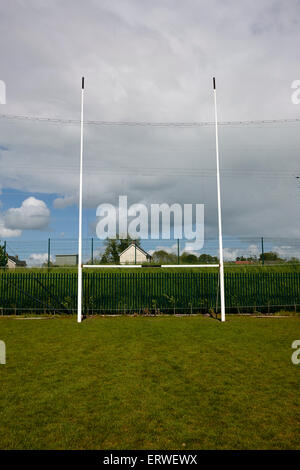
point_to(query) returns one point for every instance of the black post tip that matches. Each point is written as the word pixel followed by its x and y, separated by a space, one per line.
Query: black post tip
pixel 214 83
pixel 82 83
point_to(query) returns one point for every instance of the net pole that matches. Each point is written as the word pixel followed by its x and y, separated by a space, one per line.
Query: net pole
pixel 79 293
pixel 222 293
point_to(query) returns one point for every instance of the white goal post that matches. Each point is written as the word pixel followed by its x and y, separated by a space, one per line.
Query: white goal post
pixel 150 266
pixel 79 293
pixel 222 293
pixel 220 265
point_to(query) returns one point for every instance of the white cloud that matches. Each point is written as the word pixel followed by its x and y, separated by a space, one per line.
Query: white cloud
pixel 286 252
pixel 37 259
pixel 7 232
pixel 32 215
pixel 254 250
pixel 230 254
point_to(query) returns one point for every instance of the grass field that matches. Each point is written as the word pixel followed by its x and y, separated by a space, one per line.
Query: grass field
pixel 228 267
pixel 150 383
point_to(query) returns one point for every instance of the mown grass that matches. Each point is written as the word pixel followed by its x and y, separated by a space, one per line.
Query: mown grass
pixel 150 383
pixel 229 267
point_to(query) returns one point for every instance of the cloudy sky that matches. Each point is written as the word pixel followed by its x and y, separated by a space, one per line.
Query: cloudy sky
pixel 151 62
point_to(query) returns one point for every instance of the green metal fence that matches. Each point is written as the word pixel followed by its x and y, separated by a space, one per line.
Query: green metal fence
pixel 108 292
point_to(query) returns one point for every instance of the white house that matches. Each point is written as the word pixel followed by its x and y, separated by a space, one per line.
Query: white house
pixel 14 262
pixel 134 254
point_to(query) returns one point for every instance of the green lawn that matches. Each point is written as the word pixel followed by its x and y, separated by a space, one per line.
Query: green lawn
pixel 228 267
pixel 150 383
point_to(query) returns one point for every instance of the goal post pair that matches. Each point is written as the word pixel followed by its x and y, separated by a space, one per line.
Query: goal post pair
pixel 221 263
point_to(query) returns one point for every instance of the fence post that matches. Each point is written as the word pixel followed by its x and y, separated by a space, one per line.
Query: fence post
pixel 262 251
pixel 4 248
pixel 48 253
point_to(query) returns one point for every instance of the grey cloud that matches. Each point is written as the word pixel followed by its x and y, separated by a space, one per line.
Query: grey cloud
pixel 63 202
pixel 154 61
pixel 6 232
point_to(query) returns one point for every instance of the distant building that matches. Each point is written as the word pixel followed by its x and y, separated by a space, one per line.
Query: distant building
pixel 66 260
pixel 243 262
pixel 14 262
pixel 134 254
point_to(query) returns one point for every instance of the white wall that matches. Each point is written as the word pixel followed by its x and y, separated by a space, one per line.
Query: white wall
pixel 129 256
pixel 11 264
pixel 66 260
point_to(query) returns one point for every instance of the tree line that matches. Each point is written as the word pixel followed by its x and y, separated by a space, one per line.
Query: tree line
pixel 114 247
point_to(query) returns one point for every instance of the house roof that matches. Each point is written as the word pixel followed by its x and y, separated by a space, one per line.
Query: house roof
pixel 138 248
pixel 17 261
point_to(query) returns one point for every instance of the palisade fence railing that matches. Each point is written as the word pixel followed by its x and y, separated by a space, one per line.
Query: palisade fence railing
pixel 147 292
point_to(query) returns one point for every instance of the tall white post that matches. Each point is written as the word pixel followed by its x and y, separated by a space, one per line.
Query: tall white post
pixel 79 293
pixel 222 294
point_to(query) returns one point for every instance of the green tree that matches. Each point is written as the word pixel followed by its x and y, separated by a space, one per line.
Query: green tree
pixel 208 259
pixel 250 258
pixel 124 243
pixel 103 259
pixel 3 256
pixel 188 258
pixel 270 256
pixel 162 257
